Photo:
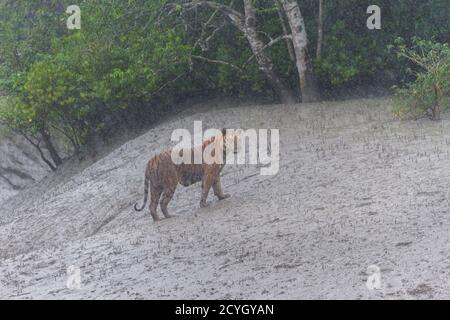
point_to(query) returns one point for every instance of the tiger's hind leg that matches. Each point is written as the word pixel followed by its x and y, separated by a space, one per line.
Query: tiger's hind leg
pixel 155 194
pixel 170 185
pixel 218 192
pixel 167 196
pixel 207 182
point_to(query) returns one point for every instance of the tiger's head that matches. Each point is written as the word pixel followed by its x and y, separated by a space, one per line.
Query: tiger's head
pixel 216 149
pixel 231 140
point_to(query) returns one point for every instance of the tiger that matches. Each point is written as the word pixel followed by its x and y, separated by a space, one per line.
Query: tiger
pixel 162 175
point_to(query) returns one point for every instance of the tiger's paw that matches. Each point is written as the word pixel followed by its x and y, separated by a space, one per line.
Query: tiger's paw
pixel 223 197
pixel 156 218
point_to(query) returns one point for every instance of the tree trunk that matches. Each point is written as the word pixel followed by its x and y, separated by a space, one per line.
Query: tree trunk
pixel 44 158
pixel 257 46
pixel 308 84
pixel 246 23
pixel 50 147
pixel 38 148
pixel 320 31
pixel 285 30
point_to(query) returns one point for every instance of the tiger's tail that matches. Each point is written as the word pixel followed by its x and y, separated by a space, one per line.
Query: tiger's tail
pixel 146 186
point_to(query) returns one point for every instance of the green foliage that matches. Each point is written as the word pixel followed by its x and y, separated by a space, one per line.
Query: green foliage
pixel 131 59
pixel 341 67
pixel 431 89
pixel 4 130
pixel 84 77
pixel 27 29
pixel 353 54
pixel 15 118
pixel 49 96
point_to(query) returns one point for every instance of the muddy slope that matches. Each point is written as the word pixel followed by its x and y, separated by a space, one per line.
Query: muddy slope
pixel 355 188
pixel 20 166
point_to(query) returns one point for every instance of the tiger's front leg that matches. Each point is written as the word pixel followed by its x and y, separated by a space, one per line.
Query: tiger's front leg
pixel 207 182
pixel 218 192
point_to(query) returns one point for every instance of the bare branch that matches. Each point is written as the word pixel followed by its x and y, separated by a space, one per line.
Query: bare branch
pixel 37 145
pixel 415 60
pixel 205 46
pixel 235 16
pixel 271 43
pixel 203 43
pixel 217 62
pixel 320 30
pixel 168 83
